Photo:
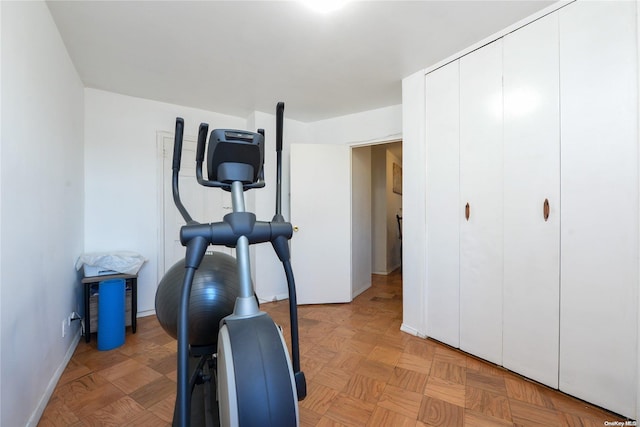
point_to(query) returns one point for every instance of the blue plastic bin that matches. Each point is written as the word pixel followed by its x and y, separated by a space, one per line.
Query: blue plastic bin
pixel 111 303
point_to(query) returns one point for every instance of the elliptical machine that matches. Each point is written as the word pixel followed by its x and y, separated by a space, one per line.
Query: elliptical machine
pixel 249 379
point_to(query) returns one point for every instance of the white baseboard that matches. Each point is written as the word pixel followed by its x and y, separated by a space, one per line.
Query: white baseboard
pixel 273 298
pixel 410 330
pixel 360 290
pixel 44 400
pixel 386 273
pixel 145 313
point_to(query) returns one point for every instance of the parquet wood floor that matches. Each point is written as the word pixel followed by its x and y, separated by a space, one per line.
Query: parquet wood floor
pixel 361 370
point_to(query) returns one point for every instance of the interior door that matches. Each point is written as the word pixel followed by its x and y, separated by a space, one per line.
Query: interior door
pixel 532 201
pixel 481 200
pixel 321 216
pixel 204 204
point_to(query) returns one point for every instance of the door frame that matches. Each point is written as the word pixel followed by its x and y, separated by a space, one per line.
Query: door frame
pixel 390 140
pixel 160 177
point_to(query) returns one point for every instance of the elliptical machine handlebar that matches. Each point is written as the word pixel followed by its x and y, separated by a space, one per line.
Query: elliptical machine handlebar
pixel 175 167
pixel 279 128
pixel 234 226
pixel 279 125
pixel 177 144
pixel 202 137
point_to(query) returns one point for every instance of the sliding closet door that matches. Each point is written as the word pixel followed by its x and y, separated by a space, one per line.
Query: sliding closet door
pixel 599 181
pixel 480 212
pixel 443 203
pixel 532 201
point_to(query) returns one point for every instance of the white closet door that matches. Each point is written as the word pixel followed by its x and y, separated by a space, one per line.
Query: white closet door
pixel 599 224
pixel 531 177
pixel 481 189
pixel 443 204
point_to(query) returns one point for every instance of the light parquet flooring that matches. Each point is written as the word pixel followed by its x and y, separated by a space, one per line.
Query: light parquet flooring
pixel 361 370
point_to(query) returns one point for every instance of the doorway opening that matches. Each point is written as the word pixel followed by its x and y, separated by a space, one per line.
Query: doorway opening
pixel 386 207
pixel 376 206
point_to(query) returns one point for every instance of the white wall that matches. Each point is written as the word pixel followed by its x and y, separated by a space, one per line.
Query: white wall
pixel 379 209
pixel 0 207
pixel 382 124
pixel 41 208
pixel 414 203
pixel 638 320
pixel 121 175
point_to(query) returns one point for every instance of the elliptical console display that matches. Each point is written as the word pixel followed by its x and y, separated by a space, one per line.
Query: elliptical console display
pixel 235 155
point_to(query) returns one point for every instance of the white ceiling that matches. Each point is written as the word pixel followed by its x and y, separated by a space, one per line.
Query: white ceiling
pixel 236 57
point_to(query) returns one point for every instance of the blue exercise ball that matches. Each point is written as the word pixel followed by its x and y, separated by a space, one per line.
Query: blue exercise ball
pixel 213 296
